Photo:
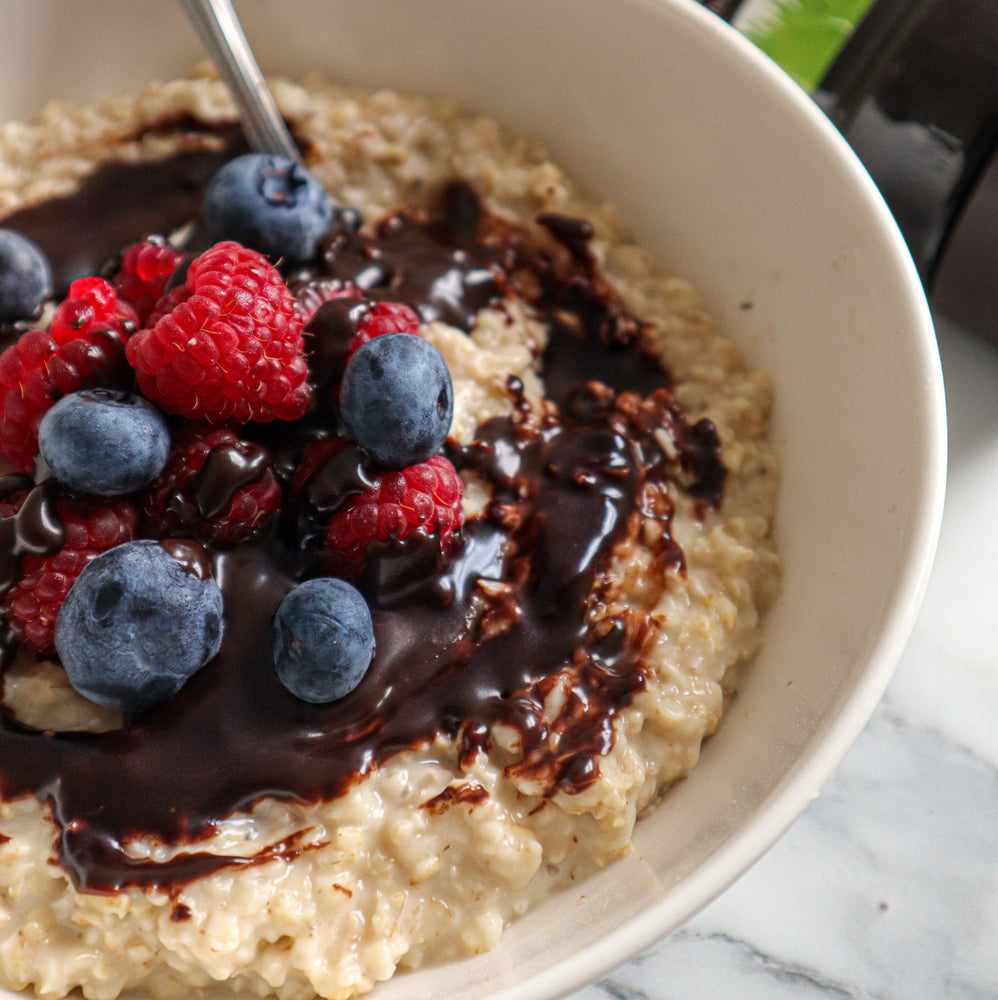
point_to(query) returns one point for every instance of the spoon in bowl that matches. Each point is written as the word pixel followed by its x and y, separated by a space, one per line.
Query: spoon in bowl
pixel 219 30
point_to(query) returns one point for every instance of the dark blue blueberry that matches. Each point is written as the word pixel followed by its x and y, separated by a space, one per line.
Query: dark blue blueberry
pixel 103 441
pixel 323 640
pixel 397 400
pixel 136 625
pixel 25 277
pixel 269 203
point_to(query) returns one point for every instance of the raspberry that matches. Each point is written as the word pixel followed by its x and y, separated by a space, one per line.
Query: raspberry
pixel 91 306
pixel 83 347
pixel 382 318
pixel 232 350
pixel 424 497
pixel 178 504
pixel 317 453
pixel 166 304
pixel 90 527
pixel 145 269
pixel 10 504
pixel 336 334
pixel 317 293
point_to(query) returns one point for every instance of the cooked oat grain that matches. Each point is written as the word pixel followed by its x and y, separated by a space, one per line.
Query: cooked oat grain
pixel 396 874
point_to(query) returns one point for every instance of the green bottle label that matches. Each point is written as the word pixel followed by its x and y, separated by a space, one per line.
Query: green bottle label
pixel 803 36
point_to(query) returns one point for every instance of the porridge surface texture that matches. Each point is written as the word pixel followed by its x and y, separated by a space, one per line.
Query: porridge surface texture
pixel 428 855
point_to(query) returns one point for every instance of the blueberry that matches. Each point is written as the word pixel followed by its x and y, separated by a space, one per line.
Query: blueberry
pixel 136 625
pixel 323 640
pixel 397 400
pixel 25 277
pixel 104 441
pixel 268 203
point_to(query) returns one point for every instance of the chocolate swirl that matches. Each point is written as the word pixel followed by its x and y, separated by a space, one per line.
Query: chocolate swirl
pixel 463 642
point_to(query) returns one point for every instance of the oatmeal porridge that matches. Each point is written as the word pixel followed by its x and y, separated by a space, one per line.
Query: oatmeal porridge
pixel 544 668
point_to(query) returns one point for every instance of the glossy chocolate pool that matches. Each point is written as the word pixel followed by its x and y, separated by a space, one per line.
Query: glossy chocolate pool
pixel 464 640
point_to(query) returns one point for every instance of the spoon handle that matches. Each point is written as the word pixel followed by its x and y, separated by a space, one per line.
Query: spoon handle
pixel 221 34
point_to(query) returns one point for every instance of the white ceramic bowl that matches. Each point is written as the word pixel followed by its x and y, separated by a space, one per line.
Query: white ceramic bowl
pixel 726 170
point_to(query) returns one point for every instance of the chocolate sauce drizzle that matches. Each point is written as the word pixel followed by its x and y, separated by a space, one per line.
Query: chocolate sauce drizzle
pixel 118 203
pixel 225 472
pixel 463 641
pixel 34 529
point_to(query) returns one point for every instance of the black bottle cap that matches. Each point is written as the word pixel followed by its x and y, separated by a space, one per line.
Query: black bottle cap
pixel 915 91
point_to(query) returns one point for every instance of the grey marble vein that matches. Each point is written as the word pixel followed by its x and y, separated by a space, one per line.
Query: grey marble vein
pixel 886 889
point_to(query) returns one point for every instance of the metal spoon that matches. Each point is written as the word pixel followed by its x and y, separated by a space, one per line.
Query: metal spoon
pixel 221 34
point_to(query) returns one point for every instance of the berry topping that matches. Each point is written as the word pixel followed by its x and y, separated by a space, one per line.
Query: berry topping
pixel 317 293
pixel 91 308
pixel 269 203
pixel 215 487
pixel 84 346
pixel 145 269
pixel 167 303
pixel 323 640
pixel 424 497
pixel 136 625
pixel 89 528
pixel 10 502
pixel 25 277
pixel 103 441
pixel 383 318
pixel 396 399
pixel 232 350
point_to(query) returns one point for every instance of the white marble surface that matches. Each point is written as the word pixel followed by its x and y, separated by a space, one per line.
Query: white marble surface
pixel 887 887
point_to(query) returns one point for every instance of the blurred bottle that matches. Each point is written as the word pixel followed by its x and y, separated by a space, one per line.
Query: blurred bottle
pixel 913 86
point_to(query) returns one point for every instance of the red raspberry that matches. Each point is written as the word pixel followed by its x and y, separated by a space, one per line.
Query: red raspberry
pixel 424 497
pixel 178 504
pixel 382 318
pixel 317 453
pixel 316 294
pixel 365 320
pixel 232 350
pixel 166 304
pixel 90 526
pixel 91 306
pixel 145 269
pixel 83 346
pixel 11 503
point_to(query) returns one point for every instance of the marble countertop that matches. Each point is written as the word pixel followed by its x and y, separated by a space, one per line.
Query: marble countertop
pixel 887 887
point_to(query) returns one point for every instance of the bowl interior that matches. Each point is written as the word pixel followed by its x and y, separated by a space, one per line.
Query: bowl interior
pixel 726 171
